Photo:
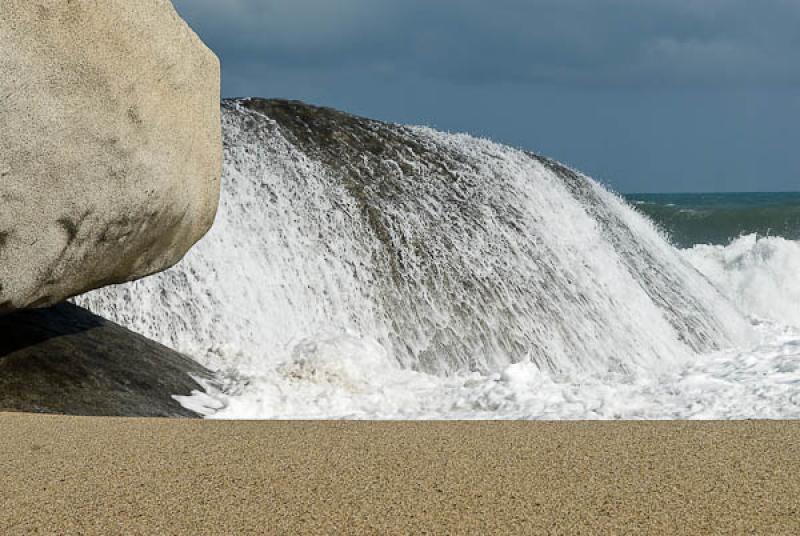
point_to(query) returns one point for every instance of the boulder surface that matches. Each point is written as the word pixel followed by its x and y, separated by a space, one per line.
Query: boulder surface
pixel 110 145
pixel 64 359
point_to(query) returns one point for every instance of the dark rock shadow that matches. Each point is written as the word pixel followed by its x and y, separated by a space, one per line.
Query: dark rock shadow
pixel 64 359
pixel 24 329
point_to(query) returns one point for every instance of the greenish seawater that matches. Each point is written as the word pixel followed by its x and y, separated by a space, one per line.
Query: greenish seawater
pixel 718 218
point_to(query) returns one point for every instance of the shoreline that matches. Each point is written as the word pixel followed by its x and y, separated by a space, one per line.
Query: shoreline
pixel 109 475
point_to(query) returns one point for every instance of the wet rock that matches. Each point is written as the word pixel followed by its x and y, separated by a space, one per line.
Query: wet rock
pixel 67 360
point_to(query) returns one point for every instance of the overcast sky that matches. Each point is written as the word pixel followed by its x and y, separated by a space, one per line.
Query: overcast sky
pixel 647 96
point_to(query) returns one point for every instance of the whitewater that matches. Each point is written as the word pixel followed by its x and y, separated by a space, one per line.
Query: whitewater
pixel 363 270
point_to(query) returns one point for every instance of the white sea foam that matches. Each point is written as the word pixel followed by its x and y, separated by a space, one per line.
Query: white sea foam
pixel 354 379
pixel 518 293
pixel 760 274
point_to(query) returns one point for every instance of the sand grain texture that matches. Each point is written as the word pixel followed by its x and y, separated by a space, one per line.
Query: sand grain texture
pixel 72 475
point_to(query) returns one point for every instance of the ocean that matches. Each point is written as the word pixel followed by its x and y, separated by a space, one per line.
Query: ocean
pixel 364 270
pixel 719 218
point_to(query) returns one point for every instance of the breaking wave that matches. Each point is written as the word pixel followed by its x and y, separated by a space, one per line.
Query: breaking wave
pixel 364 270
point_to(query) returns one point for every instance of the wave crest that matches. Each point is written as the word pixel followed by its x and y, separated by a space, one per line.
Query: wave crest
pixel 760 274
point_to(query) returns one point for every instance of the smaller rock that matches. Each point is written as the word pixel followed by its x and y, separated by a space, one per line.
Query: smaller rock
pixel 67 360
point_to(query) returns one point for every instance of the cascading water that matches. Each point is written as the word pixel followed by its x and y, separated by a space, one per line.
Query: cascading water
pixel 359 268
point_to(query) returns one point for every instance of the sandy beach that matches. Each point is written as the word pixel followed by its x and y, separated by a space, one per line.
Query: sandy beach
pixel 70 475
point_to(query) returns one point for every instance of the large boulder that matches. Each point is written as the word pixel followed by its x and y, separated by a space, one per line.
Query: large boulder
pixel 110 144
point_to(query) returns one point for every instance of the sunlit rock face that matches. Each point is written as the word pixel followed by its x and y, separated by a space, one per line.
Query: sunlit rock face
pixel 111 151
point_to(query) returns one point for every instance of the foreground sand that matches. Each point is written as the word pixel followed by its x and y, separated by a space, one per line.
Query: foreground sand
pixel 125 476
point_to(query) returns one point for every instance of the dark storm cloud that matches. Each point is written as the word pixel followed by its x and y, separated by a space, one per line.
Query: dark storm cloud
pixel 562 42
pixel 664 95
